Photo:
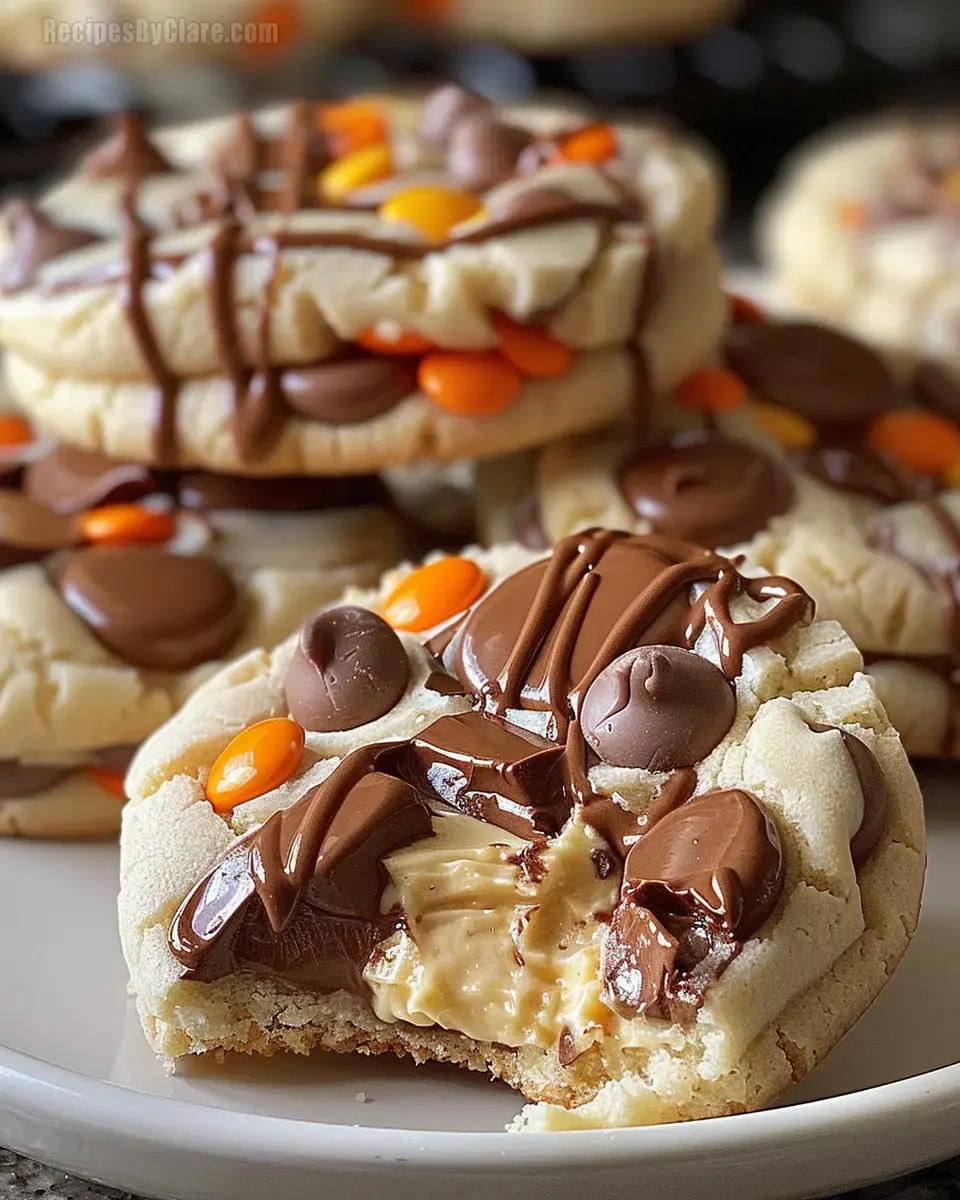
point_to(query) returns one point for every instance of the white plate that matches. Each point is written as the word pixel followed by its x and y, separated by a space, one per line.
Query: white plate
pixel 79 1089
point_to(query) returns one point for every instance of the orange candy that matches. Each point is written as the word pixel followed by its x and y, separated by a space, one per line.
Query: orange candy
pixel 14 431
pixel 471 385
pixel 125 524
pixel 353 125
pixel 428 10
pixel 407 345
pixel 595 144
pixel 258 759
pixel 434 211
pixel 851 214
pixel 917 439
pixel 531 349
pixel 745 312
pixel 283 20
pixel 434 594
pixel 712 389
pixel 109 779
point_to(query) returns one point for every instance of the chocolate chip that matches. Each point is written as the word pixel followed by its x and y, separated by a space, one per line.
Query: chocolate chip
pixel 161 611
pixel 834 381
pixel 657 708
pixel 69 480
pixel 483 151
pixel 349 391
pixel 349 668
pixel 444 108
pixel 34 240
pixel 709 490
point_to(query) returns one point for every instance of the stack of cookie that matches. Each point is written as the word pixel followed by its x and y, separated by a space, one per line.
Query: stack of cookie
pixel 233 327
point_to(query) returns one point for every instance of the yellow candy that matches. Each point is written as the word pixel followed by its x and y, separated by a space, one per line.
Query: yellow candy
pixel 356 170
pixel 950 186
pixel 951 477
pixel 792 431
pixel 432 210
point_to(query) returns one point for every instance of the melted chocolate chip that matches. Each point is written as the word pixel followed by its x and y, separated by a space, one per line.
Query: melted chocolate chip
pixel 349 668
pixel 837 383
pixel 696 886
pixel 443 110
pixel 30 531
pixel 128 153
pixel 706 489
pixel 161 611
pixel 482 151
pixel 69 480
pixel 487 769
pixel 327 847
pixel 350 390
pixel 873 787
pixel 34 240
pixel 657 708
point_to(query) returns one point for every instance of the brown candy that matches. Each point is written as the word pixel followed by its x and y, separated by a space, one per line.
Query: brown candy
pixel 837 383
pixel 657 708
pixel 349 668
pixel 444 108
pixel 708 490
pixel 34 240
pixel 128 153
pixel 69 480
pixel 349 391
pixel 696 886
pixel 859 469
pixel 482 151
pixel 30 531
pixel 161 611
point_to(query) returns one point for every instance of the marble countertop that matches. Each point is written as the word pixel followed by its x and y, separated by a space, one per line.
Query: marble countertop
pixel 23 1179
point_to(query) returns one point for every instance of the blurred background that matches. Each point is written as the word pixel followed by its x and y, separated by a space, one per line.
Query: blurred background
pixel 753 78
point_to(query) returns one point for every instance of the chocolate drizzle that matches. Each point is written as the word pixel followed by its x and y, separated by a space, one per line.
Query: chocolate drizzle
pixel 534 644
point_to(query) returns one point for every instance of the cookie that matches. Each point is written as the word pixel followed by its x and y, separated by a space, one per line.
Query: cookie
pixel 146 37
pixel 542 25
pixel 618 824
pixel 121 590
pixel 820 463
pixel 861 229
pixel 288 294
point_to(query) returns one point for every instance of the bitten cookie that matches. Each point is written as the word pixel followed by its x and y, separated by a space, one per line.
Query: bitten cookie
pixel 120 590
pixel 619 825
pixel 333 290
pixel 862 228
pixel 811 456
